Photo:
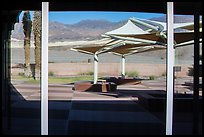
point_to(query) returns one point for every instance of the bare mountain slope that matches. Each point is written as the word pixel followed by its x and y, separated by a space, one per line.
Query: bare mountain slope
pixel 92 30
pixel 85 29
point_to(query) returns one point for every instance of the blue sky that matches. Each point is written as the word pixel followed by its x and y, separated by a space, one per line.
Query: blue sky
pixel 74 17
pixel 71 17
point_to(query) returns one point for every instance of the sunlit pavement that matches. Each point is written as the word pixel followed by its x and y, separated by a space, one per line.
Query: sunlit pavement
pixel 65 92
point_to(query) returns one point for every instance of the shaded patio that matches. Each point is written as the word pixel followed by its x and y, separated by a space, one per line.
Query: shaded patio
pixel 93 113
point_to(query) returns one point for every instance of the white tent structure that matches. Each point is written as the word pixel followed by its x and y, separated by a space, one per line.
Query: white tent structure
pixel 131 49
pixel 131 39
pixel 131 32
pixel 95 49
pixel 120 41
pixel 155 34
pixel 161 26
pixel 115 46
pixel 136 40
pixel 181 38
pixel 128 29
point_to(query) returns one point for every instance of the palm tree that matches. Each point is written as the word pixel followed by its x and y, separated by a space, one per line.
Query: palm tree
pixel 37 38
pixel 27 26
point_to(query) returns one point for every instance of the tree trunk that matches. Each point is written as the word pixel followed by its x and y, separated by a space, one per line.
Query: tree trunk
pixel 27 25
pixel 27 70
pixel 37 57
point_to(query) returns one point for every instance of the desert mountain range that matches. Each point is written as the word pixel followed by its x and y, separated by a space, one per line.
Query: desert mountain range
pixel 69 35
pixel 85 29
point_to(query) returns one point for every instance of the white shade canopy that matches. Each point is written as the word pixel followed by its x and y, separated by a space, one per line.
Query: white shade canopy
pixel 128 29
pixel 128 36
pixel 189 26
pixel 123 39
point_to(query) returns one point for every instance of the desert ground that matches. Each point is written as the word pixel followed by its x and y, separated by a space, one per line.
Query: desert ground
pixel 65 62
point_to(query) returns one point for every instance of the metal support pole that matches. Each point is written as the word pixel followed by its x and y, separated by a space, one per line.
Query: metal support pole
pixel 170 70
pixel 44 70
pixel 95 68
pixel 123 67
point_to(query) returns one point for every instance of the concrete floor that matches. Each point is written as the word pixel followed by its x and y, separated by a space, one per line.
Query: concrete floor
pixel 93 113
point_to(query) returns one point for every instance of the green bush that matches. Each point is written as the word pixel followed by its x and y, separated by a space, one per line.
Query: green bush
pixel 151 77
pixel 90 73
pixel 21 74
pixel 50 73
pixel 87 73
pixel 51 62
pixel 132 74
pixel 164 74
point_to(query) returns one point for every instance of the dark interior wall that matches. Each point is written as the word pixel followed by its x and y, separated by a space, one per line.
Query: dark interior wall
pixel 8 19
pixel 156 6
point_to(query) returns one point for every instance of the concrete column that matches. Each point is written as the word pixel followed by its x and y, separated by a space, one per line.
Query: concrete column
pixel 44 70
pixel 123 67
pixel 95 68
pixel 170 68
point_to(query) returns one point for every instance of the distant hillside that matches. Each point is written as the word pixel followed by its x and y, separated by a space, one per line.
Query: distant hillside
pixel 177 18
pixel 92 29
pixel 85 29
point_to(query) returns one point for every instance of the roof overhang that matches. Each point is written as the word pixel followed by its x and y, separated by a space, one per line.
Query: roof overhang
pixel 184 8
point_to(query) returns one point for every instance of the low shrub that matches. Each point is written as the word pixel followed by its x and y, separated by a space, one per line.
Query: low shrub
pixel 151 77
pixel 87 73
pixel 50 73
pixel 132 74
